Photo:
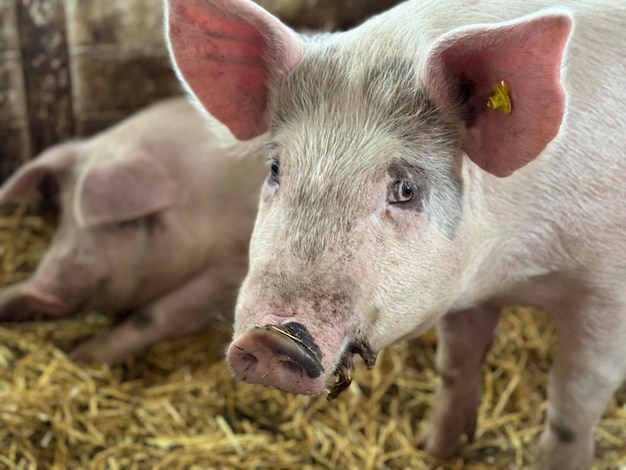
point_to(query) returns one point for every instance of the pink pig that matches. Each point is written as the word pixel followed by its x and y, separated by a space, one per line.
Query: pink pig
pixel 439 161
pixel 156 215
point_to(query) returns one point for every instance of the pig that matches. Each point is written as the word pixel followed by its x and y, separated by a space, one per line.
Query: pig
pixel 148 231
pixel 439 161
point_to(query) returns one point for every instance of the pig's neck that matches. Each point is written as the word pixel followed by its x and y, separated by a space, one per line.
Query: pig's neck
pixel 505 240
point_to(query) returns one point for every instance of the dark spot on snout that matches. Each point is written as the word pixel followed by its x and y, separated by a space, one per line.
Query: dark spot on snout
pixel 311 367
pixel 311 355
pixel 562 431
pixel 300 331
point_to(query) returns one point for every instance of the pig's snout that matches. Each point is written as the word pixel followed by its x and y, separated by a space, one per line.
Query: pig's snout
pixel 282 356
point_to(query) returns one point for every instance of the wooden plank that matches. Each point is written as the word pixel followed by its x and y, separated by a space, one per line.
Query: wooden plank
pixel 116 83
pixel 119 59
pixel 14 136
pixel 45 62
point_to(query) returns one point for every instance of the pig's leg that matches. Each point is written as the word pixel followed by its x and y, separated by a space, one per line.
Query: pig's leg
pixel 589 367
pixel 196 305
pixel 464 339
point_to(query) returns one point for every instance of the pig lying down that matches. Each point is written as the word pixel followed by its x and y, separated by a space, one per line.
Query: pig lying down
pixel 439 161
pixel 147 228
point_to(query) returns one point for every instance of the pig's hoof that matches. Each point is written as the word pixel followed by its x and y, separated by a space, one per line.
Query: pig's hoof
pixel 560 447
pixel 95 350
pixel 81 354
pixel 443 450
pixel 443 435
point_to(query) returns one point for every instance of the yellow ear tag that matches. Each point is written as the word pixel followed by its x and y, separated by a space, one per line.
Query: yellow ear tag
pixel 500 98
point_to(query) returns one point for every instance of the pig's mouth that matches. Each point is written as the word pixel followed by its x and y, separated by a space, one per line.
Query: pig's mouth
pixel 346 364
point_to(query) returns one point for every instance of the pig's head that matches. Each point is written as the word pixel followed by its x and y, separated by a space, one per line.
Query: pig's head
pixel 101 249
pixel 357 242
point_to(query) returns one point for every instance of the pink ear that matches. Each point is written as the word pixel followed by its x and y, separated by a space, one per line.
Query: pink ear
pixel 463 66
pixel 123 189
pixel 55 160
pixel 227 51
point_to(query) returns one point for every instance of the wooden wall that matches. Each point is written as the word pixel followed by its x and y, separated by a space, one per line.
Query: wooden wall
pixel 75 67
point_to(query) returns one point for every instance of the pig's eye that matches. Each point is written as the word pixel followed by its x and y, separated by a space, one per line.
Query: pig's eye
pixel 401 191
pixel 275 171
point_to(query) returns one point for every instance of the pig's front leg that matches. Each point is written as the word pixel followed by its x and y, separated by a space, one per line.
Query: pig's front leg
pixel 589 367
pixel 190 308
pixel 464 339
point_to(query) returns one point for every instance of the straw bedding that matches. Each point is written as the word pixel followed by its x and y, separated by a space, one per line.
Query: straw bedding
pixel 177 407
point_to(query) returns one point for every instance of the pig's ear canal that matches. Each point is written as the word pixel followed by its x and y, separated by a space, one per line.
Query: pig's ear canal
pixel 503 80
pixel 122 190
pixel 226 51
pixel 56 160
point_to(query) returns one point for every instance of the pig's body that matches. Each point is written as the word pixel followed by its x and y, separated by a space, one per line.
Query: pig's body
pixel 147 228
pixel 399 198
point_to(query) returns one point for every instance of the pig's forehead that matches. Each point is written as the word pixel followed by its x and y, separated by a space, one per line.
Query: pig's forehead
pixel 343 87
pixel 337 102
pixel 342 113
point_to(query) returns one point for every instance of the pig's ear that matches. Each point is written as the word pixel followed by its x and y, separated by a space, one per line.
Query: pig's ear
pixel 465 64
pixel 123 189
pixel 55 160
pixel 227 51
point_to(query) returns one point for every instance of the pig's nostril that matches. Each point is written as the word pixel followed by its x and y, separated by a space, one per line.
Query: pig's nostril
pixel 250 359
